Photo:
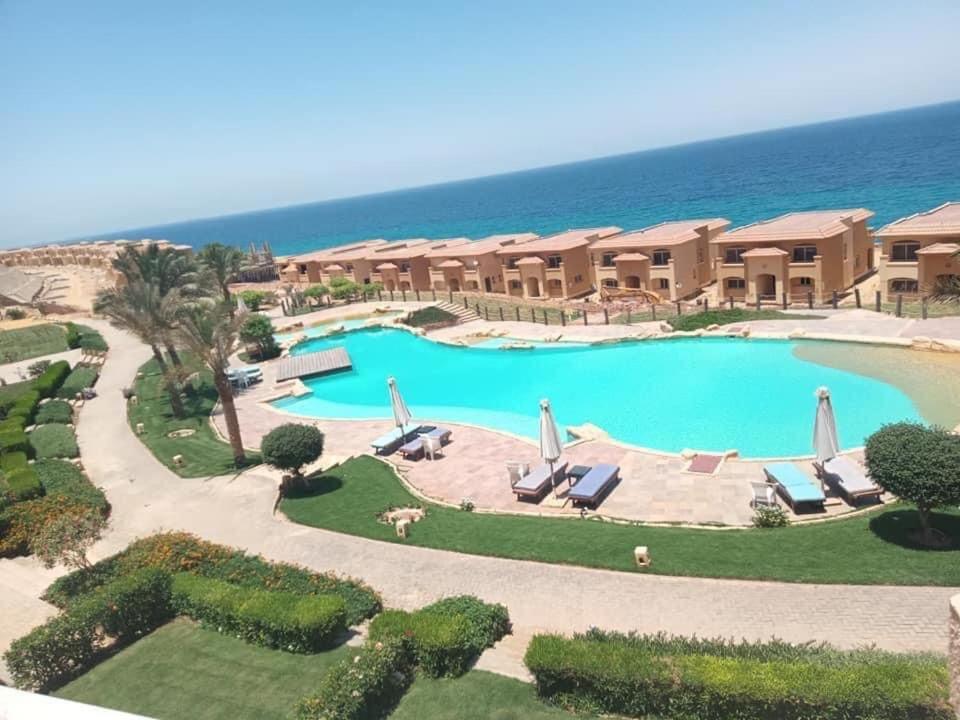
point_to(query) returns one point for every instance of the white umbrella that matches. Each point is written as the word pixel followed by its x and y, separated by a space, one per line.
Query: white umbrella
pixel 550 444
pixel 825 442
pixel 242 308
pixel 400 412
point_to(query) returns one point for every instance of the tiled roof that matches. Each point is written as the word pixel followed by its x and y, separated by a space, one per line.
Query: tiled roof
pixel 333 266
pixel 563 241
pixel 352 251
pixel 943 220
pixel 765 252
pixel 668 233
pixel 532 260
pixel 483 245
pixel 813 225
pixel 630 256
pixel 406 249
pixel 450 264
pixel 386 266
pixel 940 248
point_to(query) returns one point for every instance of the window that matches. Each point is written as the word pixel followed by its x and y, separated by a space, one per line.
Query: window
pixel 736 284
pixel 663 284
pixel 349 268
pixel 734 255
pixel 606 260
pixel 404 267
pixel 577 278
pixel 661 257
pixel 904 286
pixel 699 254
pixel 554 283
pixel 512 263
pixel 904 251
pixel 805 281
pixel 515 285
pixel 804 253
pixel 610 282
pixel 554 261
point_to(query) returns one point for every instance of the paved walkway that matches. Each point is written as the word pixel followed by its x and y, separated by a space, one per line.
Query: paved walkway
pixel 146 498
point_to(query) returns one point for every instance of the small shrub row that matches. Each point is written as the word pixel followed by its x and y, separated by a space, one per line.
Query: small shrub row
pixel 295 623
pixel 447 636
pixel 54 441
pixel 183 552
pixel 22 520
pixel 82 377
pixel 54 411
pixel 623 675
pixel 368 685
pixel 64 479
pixel 71 643
pixel 51 379
pixel 14 441
pixel 85 337
pixel 22 482
pixel 25 407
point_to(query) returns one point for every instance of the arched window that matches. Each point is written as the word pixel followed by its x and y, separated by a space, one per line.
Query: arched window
pixel 904 251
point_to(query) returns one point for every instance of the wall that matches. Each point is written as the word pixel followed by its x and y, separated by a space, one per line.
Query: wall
pixel 576 263
pixel 954 652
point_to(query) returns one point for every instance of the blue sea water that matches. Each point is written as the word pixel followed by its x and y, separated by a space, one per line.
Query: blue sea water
pixel 706 393
pixel 895 164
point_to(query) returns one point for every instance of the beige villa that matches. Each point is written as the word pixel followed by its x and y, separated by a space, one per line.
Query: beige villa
pixel 557 266
pixel 671 259
pixel 796 255
pixel 347 261
pixel 917 250
pixel 403 265
pixel 473 267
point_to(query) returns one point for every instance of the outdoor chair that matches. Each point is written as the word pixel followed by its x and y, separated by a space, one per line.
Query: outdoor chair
pixel 416 447
pixel 795 487
pixel 516 471
pixel 847 478
pixel 764 494
pixel 432 446
pixel 591 488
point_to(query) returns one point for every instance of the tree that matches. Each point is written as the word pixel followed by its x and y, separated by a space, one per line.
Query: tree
pixel 67 537
pixel 222 263
pixel 316 292
pixel 258 330
pixel 291 446
pixel 946 289
pixel 210 332
pixel 253 299
pixel 342 288
pixel 917 463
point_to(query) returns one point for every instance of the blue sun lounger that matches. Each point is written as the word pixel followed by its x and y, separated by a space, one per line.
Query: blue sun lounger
pixel 795 487
pixel 388 442
pixel 591 487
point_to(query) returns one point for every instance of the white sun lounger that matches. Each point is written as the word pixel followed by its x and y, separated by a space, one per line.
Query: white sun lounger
pixel 847 478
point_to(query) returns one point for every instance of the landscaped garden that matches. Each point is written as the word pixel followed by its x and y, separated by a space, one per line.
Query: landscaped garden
pixel 698 320
pixel 873 548
pixel 32 341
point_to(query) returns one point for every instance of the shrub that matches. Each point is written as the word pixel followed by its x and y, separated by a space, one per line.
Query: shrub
pixel 253 299
pixel 14 441
pixel 178 552
pixel 487 622
pixel 83 336
pixel 770 516
pixel 368 685
pixel 23 484
pixel 73 335
pixel 82 377
pixel 13 424
pixel 295 623
pixel 54 411
pixel 258 330
pixel 291 446
pixel 25 407
pixel 317 292
pixel 342 288
pixel 67 538
pixel 54 441
pixel 13 461
pixel 16 313
pixel 36 369
pixel 430 317
pixel 64 479
pixel 637 676
pixel 917 463
pixel 52 378
pixel 21 521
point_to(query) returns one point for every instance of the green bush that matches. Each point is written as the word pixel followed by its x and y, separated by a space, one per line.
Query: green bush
pixel 770 516
pixel 487 622
pixel 25 407
pixel 177 552
pixel 36 369
pixel 14 441
pixel 13 461
pixel 291 446
pixel 23 484
pixel 430 316
pixel 64 479
pixel 91 340
pixel 54 411
pixel 73 335
pixel 83 376
pixel 54 441
pixel 295 623
pixel 69 644
pixel 16 313
pixel 364 687
pixel 23 520
pixel 616 674
pixel 13 424
pixel 253 299
pixel 52 378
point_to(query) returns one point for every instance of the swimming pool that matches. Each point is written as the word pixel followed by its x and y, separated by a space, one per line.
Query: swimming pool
pixel 704 393
pixel 320 329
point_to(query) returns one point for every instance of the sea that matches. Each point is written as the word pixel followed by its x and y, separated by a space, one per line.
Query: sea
pixel 895 164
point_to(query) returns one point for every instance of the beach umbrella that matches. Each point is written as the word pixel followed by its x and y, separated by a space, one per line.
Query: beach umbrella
pixel 400 412
pixel 825 442
pixel 550 443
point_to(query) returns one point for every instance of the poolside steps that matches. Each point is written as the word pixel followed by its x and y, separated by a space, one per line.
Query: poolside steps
pixel 464 315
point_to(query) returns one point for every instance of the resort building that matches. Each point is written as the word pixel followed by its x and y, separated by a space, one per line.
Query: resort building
pixel 323 265
pixel 918 250
pixel 99 254
pixel 557 266
pixel 473 267
pixel 403 265
pixel 796 255
pixel 671 259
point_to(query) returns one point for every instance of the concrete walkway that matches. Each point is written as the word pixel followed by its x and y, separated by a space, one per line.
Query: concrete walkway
pixel 146 498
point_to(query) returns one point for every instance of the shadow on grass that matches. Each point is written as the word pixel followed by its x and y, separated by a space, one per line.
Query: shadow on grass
pixel 901 527
pixel 315 486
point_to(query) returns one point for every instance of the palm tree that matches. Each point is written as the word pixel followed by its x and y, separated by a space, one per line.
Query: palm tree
pixel 208 329
pixel 946 288
pixel 141 309
pixel 222 263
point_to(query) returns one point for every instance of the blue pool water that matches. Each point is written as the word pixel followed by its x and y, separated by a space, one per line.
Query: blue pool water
pixel 704 393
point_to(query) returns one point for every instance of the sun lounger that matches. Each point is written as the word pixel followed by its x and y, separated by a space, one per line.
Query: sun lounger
pixel 795 487
pixel 415 448
pixel 847 478
pixel 388 442
pixel 592 486
pixel 535 484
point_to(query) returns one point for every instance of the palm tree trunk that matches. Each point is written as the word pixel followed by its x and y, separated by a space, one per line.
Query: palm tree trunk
pixel 174 357
pixel 227 299
pixel 176 402
pixel 225 391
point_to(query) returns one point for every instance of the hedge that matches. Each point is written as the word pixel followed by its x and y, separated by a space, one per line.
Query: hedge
pixel 71 643
pixel 54 441
pixel 54 411
pixel 177 552
pixel 13 424
pixel 636 677
pixel 22 484
pixel 25 407
pixel 13 441
pixel 82 377
pixel 295 623
pixel 84 336
pixel 368 685
pixel 51 379
pixel 64 479
pixel 22 520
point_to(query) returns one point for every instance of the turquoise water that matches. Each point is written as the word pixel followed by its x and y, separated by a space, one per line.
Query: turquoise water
pixel 704 393
pixel 320 329
pixel 495 343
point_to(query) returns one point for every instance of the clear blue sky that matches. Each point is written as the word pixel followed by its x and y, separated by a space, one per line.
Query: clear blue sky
pixel 123 114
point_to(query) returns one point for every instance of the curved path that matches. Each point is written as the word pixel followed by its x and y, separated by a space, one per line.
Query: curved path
pixel 147 497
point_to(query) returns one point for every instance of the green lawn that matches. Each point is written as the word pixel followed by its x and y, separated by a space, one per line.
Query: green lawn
pixel 870 549
pixel 183 671
pixel 698 320
pixel 32 341
pixel 478 695
pixel 204 453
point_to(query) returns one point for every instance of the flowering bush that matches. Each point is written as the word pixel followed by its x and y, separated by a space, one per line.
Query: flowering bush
pixel 770 516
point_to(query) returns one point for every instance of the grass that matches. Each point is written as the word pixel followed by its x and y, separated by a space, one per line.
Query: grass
pixel 184 671
pixel 204 453
pixel 868 549
pixel 30 342
pixel 430 316
pixel 913 309
pixel 699 320
pixel 478 695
